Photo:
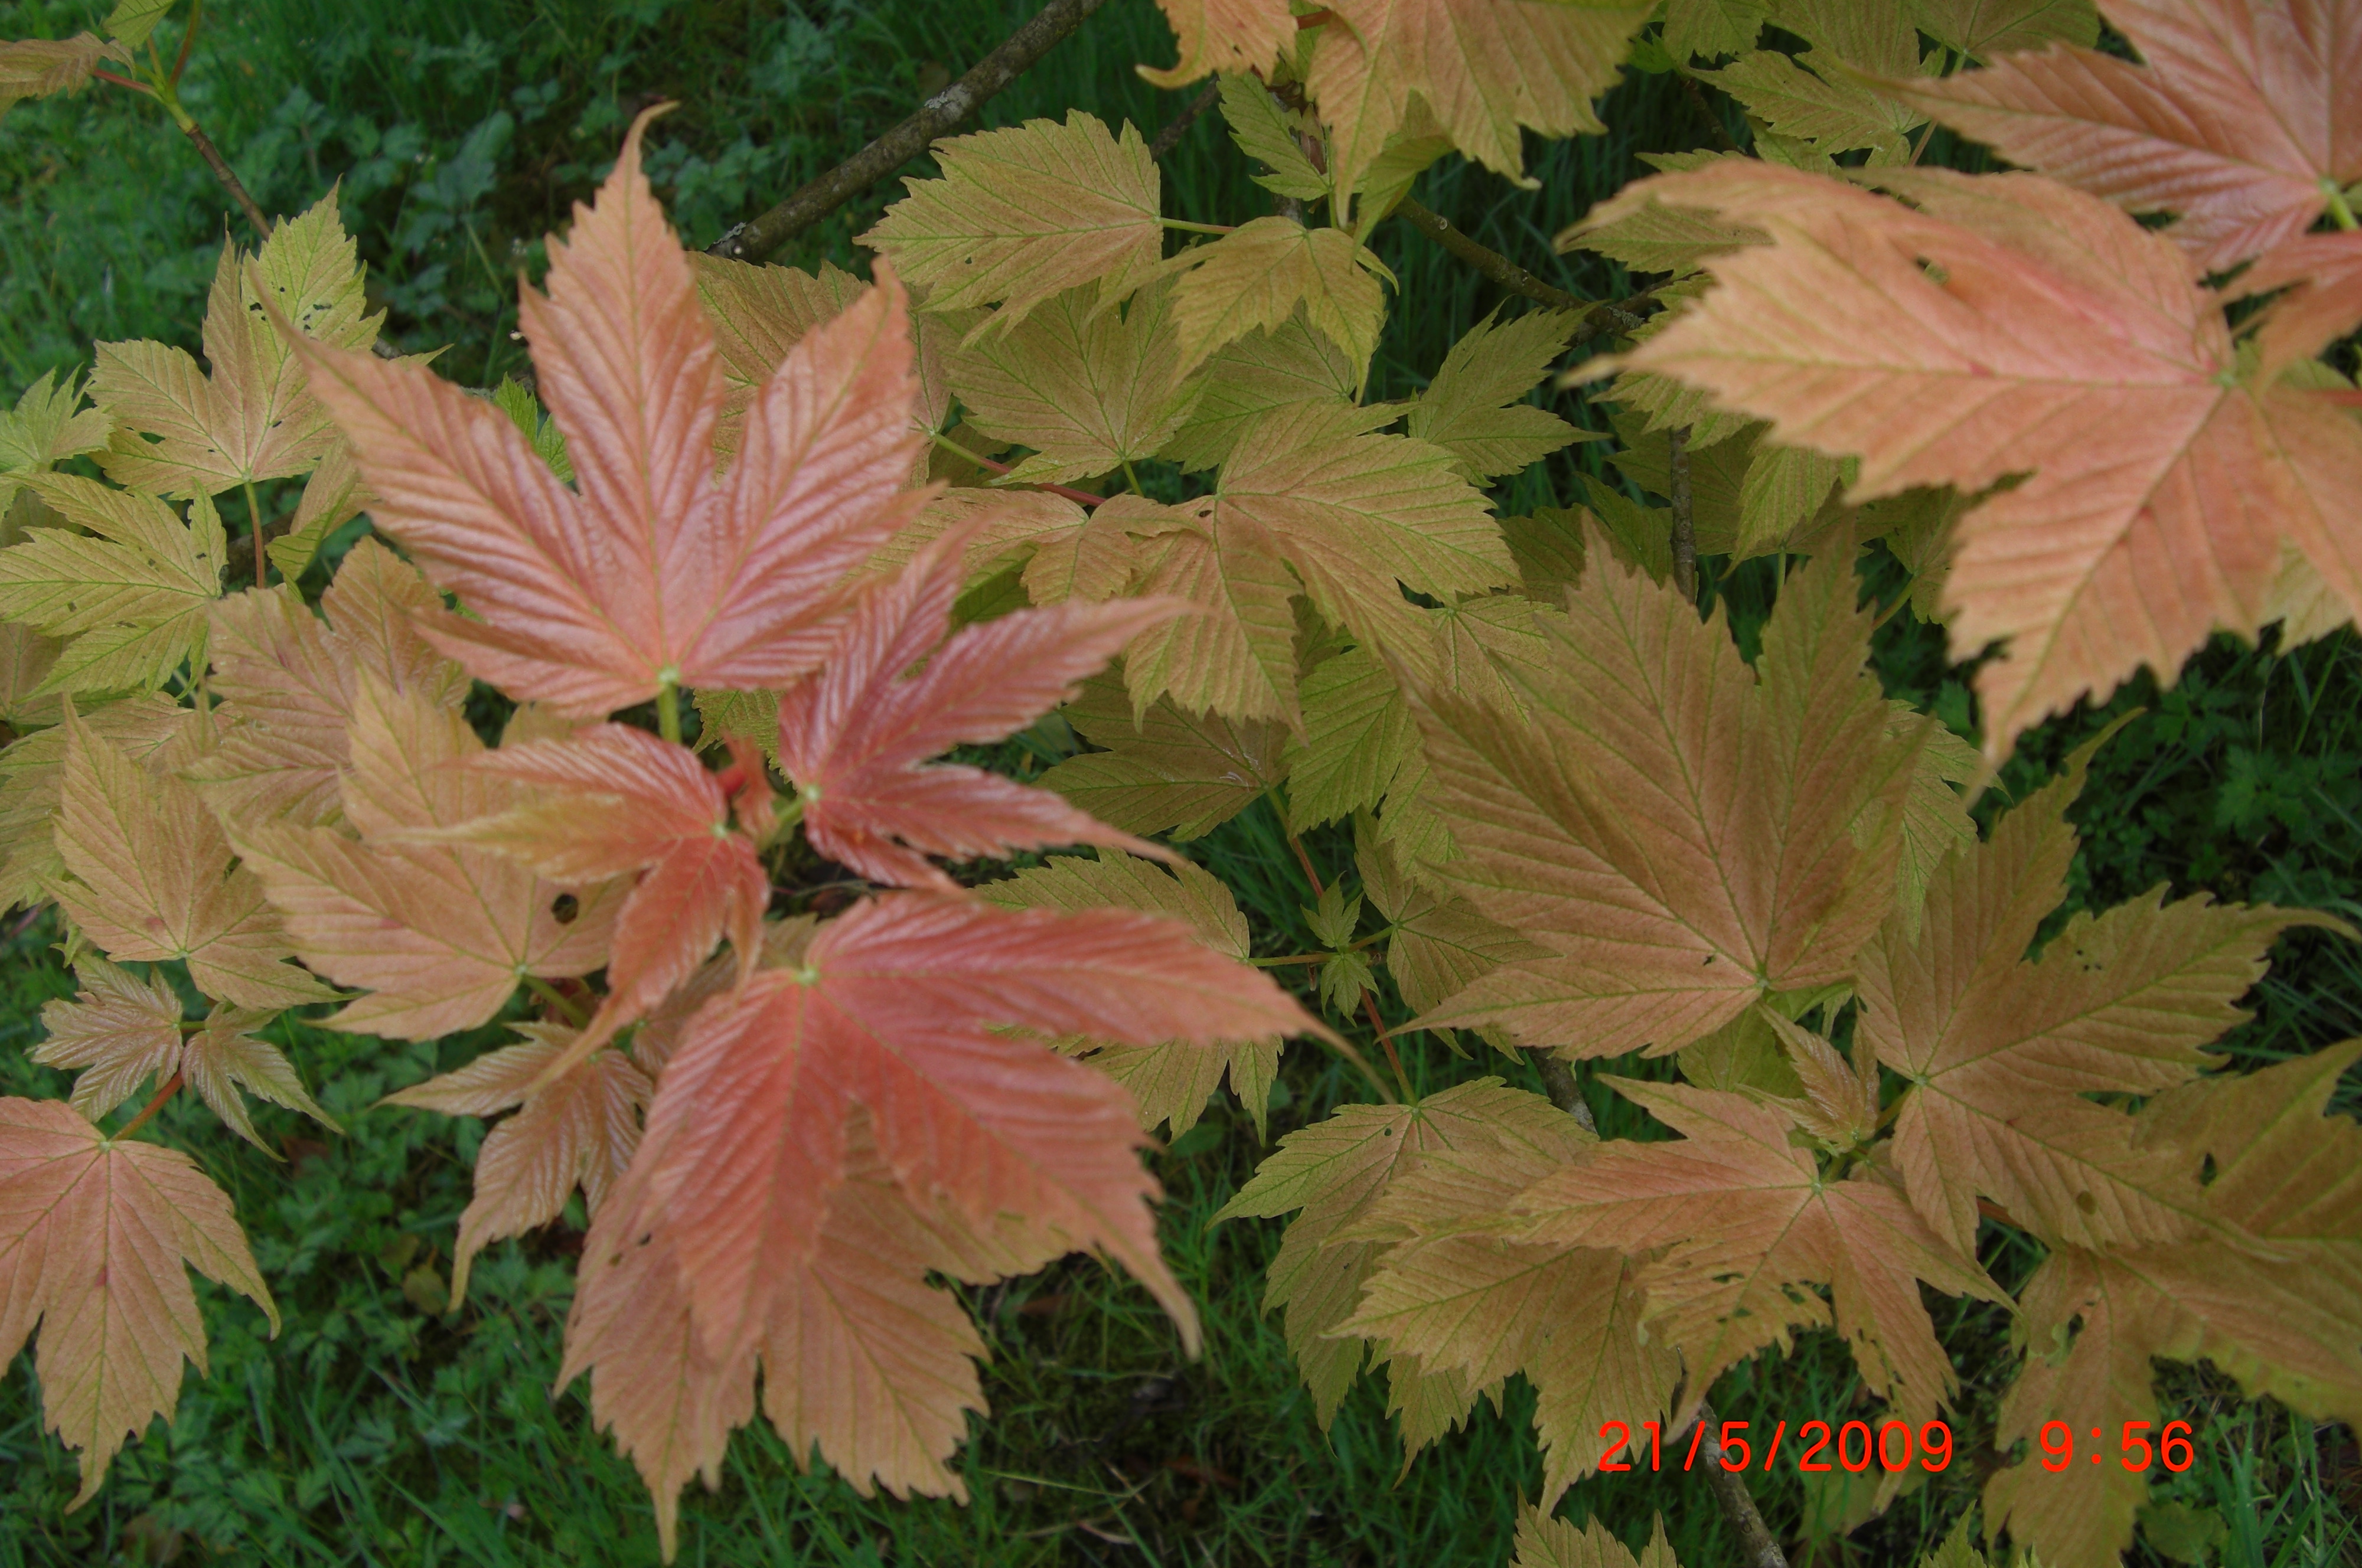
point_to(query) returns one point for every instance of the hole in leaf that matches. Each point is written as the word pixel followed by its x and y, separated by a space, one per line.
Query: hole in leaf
pixel 564 908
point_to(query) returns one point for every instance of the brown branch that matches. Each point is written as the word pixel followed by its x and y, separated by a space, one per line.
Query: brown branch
pixel 1677 446
pixel 1492 263
pixel 758 236
pixel 227 176
pixel 1170 137
pixel 1558 1082
pixel 1598 316
pixel 1756 1546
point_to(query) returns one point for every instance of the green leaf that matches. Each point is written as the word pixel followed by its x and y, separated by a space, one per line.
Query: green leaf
pixel 1357 733
pixel 1264 132
pixel 1476 407
pixel 132 21
pixel 1263 370
pixel 1088 386
pixel 1169 772
pixel 131 595
pixel 1025 214
pixel 524 412
pixel 1333 920
pixel 1258 275
pixel 48 426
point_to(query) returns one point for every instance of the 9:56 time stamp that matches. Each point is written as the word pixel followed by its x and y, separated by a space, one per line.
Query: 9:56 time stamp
pixel 1893 1445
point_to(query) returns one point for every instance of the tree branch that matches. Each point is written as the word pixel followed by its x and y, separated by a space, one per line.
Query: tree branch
pixel 1677 445
pixel 1757 1547
pixel 227 176
pixel 758 237
pixel 1598 316
pixel 1558 1082
pixel 1170 137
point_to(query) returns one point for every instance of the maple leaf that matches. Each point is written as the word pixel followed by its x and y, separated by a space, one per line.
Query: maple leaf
pixel 1474 407
pixel 581 1131
pixel 652 573
pixel 1166 771
pixel 48 426
pixel 128 597
pixel 2057 318
pixel 1981 29
pixel 862 1361
pixel 608 800
pixel 32 768
pixel 2265 1290
pixel 1356 735
pixel 284 682
pixel 1233 36
pixel 1267 132
pixel 1461 1300
pixel 1824 111
pixel 1436 943
pixel 1545 1542
pixel 1263 371
pixel 1334 1171
pixel 2233 122
pixel 1485 67
pixel 252 419
pixel 1024 214
pixel 704 1257
pixel 225 1056
pixel 1172 1080
pixel 1258 277
pixel 2118 1002
pixel 854 738
pixel 152 879
pixel 1237 656
pixel 1678 833
pixel 440 933
pixel 758 314
pixel 95 1234
pixel 1746 1223
pixel 1360 517
pixel 1089 389
pixel 123 1031
pixel 120 1029
pixel 40 68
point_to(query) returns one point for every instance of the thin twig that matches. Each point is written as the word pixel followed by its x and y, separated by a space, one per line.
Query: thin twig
pixel 188 36
pixel 154 1105
pixel 1757 1548
pixel 1598 316
pixel 758 236
pixel 227 176
pixel 1170 137
pixel 1079 497
pixel 1677 446
pixel 1492 263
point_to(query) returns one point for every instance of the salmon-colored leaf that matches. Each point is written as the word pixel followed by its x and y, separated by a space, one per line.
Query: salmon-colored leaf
pixel 1676 830
pixel 2010 324
pixel 894 1007
pixel 854 738
pixel 152 879
pixel 654 572
pixel 2240 120
pixel 439 934
pixel 95 1237
pixel 581 1131
pixel 119 1029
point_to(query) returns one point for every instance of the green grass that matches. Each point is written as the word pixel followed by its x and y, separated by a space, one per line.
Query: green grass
pixel 378 1429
